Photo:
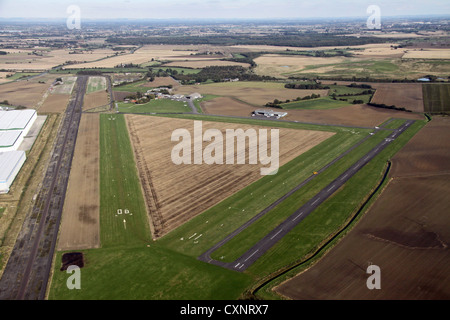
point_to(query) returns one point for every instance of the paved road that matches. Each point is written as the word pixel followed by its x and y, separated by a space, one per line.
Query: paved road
pixel 29 266
pixel 251 255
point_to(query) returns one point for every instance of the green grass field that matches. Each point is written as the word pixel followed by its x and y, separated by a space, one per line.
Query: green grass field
pixel 317 104
pixel 120 191
pixel 158 106
pixel 96 84
pixel 20 75
pixel 328 102
pixel 131 266
pixel 436 98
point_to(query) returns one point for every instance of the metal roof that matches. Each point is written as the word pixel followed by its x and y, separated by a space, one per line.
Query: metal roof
pixel 9 138
pixel 8 163
pixel 15 119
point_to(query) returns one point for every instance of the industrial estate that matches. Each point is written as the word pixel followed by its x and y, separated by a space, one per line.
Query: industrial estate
pixel 356 119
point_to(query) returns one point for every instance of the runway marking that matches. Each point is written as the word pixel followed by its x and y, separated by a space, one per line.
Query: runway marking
pixel 297 216
pixel 331 188
pixel 237 264
pixel 198 236
pixel 276 234
pixel 315 201
pixel 344 176
pixel 251 255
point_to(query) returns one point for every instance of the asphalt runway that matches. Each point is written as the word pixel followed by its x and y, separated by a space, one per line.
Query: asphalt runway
pixel 255 252
pixel 26 274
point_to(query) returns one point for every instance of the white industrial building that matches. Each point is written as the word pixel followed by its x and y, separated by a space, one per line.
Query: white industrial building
pixel 14 126
pixel 10 164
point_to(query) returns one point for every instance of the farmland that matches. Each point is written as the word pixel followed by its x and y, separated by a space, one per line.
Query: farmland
pixel 408 96
pixel 145 224
pixel 436 98
pixel 96 84
pixel 80 226
pixel 403 228
pixel 254 93
pixel 213 182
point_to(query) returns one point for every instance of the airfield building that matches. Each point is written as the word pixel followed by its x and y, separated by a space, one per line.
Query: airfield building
pixel 10 164
pixel 14 126
pixel 269 113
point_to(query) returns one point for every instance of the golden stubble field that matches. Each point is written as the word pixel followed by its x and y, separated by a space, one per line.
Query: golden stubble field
pixel 142 55
pixel 174 193
pixel 405 233
pixel 80 225
pixel 23 59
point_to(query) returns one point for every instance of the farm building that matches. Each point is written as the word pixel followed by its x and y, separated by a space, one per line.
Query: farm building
pixel 10 164
pixel 194 96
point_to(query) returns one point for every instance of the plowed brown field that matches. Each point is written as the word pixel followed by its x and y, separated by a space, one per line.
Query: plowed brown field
pixel 176 193
pixel 405 233
pixel 401 95
pixel 80 226
pixel 55 102
pixel 95 99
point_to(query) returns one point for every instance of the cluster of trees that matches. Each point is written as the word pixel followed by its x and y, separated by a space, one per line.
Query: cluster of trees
pixel 362 86
pixel 248 57
pixel 220 73
pixel 127 65
pixel 382 105
pixel 297 39
pixel 318 53
pixel 90 72
pixel 307 86
pixel 277 103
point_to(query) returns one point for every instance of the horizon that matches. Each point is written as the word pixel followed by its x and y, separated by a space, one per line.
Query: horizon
pixel 219 9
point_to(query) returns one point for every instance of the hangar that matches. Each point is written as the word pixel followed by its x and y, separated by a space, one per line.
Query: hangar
pixel 10 164
pixel 14 126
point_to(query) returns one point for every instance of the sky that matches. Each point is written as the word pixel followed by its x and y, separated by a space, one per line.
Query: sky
pixel 218 9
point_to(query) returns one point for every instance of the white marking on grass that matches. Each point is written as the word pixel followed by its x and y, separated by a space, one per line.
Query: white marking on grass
pixel 193 235
pixel 198 236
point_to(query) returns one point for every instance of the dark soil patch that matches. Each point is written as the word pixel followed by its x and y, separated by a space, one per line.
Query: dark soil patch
pixel 72 259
